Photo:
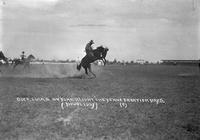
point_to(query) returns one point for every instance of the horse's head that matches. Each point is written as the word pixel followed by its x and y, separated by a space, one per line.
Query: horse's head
pixel 102 50
pixel 106 49
pixel 30 57
pixel 104 53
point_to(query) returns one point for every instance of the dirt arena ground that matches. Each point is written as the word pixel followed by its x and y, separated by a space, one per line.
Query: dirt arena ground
pixel 28 111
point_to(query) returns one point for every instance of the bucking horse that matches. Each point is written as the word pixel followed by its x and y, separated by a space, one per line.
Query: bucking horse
pixel 99 54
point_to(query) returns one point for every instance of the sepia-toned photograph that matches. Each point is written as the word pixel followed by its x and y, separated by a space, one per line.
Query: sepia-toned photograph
pixel 99 70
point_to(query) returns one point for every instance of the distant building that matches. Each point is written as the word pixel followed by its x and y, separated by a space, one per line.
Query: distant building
pixel 180 62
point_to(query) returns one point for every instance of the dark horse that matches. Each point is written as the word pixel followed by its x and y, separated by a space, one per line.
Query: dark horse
pixel 99 54
pixel 2 57
pixel 25 62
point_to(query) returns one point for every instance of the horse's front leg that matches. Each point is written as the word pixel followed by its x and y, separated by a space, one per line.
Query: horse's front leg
pixel 104 61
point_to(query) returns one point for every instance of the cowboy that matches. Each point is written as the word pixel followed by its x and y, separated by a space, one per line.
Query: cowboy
pixel 89 49
pixel 23 56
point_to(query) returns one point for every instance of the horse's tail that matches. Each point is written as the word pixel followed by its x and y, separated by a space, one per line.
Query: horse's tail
pixel 78 67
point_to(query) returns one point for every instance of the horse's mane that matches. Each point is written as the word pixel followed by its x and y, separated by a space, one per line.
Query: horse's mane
pixel 100 47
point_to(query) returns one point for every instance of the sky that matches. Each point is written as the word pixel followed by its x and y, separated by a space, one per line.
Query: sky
pixel 132 29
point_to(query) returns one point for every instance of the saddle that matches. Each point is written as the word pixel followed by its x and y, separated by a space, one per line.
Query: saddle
pixel 22 60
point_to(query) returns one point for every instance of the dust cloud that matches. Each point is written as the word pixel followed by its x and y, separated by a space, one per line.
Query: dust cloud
pixel 44 71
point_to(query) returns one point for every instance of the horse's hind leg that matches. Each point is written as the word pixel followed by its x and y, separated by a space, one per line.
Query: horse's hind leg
pixel 86 71
pixel 90 69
